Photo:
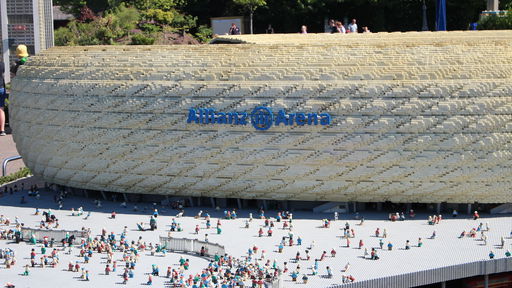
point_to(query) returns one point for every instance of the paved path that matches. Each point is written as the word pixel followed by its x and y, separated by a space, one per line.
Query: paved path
pixel 446 249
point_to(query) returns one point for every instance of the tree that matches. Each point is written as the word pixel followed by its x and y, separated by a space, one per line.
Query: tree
pixel 496 22
pixel 74 6
pixel 505 5
pixel 107 30
pixel 251 6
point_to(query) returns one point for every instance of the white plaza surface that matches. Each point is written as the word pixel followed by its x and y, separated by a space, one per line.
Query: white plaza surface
pixel 446 249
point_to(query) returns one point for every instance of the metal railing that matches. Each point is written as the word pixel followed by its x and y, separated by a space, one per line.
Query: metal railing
pixel 7 160
pixel 57 235
pixel 192 246
pixel 436 275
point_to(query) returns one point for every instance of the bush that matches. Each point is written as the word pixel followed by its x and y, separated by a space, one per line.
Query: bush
pixel 150 27
pixel 495 22
pixel 24 172
pixel 204 34
pixel 141 39
pixel 63 36
pixel 117 23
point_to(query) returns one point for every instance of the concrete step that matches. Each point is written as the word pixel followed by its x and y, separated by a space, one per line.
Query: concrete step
pixel 330 207
pixel 502 209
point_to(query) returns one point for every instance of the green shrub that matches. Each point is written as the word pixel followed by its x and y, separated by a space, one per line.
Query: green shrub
pixel 204 34
pixel 495 22
pixel 150 28
pixel 24 172
pixel 63 36
pixel 141 39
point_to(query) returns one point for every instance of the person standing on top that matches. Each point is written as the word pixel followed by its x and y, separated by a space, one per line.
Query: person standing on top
pixel 340 28
pixel 352 27
pixel 269 30
pixel 234 30
pixel 332 27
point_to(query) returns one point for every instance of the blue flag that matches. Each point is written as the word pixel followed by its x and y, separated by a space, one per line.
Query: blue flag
pixel 440 15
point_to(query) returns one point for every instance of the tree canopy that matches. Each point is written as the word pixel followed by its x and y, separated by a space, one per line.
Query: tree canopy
pixel 250 6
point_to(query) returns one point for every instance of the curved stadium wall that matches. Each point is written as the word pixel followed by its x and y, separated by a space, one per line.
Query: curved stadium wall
pixel 412 117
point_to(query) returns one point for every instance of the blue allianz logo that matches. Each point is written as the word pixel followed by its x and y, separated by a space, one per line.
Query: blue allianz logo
pixel 261 118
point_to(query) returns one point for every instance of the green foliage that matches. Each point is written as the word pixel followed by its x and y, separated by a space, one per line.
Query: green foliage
pixel 126 18
pixel 63 36
pixel 165 13
pixel 23 172
pixel 204 33
pixel 70 6
pixel 74 6
pixel 495 22
pixel 116 24
pixel 155 16
pixel 150 28
pixel 184 22
pixel 251 5
pixel 160 16
pixel 77 33
pixel 83 33
pixel 505 5
pixel 142 39
pixel 164 5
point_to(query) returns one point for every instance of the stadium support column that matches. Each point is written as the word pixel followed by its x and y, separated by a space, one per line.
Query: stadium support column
pixel 443 284
pixel 212 201
pixel 486 281
pixel 262 204
pixel 438 208
pixel 379 206
pixel 469 208
pixel 239 203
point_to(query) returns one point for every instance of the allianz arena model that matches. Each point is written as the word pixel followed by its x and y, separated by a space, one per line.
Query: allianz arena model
pixel 404 117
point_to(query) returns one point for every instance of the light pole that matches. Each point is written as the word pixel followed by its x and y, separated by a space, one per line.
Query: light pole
pixel 424 27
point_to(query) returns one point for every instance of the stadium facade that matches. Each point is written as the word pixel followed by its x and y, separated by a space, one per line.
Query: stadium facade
pixel 402 117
